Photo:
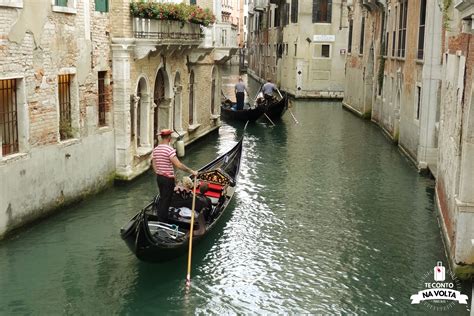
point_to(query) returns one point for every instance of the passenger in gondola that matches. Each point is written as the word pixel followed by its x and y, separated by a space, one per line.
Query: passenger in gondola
pixel 240 90
pixel 163 162
pixel 203 203
pixel 268 88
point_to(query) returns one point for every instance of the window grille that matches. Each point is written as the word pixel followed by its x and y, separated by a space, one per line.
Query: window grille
pixel 64 94
pixel 8 116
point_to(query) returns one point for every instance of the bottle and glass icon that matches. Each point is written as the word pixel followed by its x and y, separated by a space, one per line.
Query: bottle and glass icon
pixel 439 272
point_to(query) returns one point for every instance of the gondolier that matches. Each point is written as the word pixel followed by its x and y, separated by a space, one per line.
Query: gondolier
pixel 164 158
pixel 268 89
pixel 240 90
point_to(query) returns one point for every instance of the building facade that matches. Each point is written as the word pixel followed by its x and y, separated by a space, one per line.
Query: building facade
pixel 85 86
pixel 56 112
pixel 301 45
pixel 455 176
pixel 393 74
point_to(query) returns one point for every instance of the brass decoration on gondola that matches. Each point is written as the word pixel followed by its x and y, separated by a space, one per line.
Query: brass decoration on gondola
pixel 215 176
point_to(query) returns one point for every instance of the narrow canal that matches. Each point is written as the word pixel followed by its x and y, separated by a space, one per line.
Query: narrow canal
pixel 328 218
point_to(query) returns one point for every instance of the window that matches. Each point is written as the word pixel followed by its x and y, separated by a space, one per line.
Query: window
pixel 8 117
pixel 61 3
pixel 286 13
pixel 294 11
pixel 245 20
pixel 192 2
pixel 418 102
pixel 402 28
pixel 362 35
pixel 65 6
pixel 277 17
pixel 191 98
pixel 421 29
pixel 349 45
pixel 102 97
pixel 64 96
pixel 296 48
pixel 387 33
pixel 322 10
pixel 102 5
pixel 322 51
pixel 394 32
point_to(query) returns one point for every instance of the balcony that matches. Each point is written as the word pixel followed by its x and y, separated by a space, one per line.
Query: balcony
pixel 222 37
pixel 374 4
pixel 165 36
pixel 258 5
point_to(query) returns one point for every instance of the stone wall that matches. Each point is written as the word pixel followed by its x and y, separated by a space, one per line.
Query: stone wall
pixel 38 43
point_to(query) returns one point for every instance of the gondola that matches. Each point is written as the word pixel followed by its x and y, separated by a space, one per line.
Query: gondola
pixel 273 109
pixel 154 241
pixel 248 114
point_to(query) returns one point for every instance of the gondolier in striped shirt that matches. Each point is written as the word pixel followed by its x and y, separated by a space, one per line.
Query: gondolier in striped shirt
pixel 164 158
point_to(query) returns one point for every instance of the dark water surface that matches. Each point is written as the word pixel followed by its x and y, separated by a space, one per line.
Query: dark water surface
pixel 328 218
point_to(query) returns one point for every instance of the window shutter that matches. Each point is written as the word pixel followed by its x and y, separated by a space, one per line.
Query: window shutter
pixel 102 5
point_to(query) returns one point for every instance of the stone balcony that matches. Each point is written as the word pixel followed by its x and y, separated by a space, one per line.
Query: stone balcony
pixel 222 37
pixel 257 5
pixel 164 36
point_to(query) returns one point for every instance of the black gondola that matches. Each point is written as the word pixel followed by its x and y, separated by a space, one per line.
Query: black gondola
pixel 275 108
pixel 153 240
pixel 248 114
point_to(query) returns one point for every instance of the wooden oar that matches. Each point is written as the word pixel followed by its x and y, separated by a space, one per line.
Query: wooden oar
pixel 256 96
pixel 296 121
pixel 190 252
pixel 268 118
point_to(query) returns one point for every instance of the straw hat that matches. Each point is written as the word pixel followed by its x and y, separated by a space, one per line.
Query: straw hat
pixel 165 132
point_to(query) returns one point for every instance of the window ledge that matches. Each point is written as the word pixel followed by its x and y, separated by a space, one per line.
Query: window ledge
pixel 104 129
pixel 419 61
pixel 144 150
pixel 13 157
pixel 61 9
pixel 193 127
pixel 11 3
pixel 399 58
pixel 215 116
pixel 69 142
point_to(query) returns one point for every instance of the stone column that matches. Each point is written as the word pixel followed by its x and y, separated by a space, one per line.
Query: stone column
pixel 144 117
pixel 432 69
pixel 121 56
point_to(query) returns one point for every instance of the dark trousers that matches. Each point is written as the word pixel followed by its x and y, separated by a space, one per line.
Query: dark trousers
pixel 166 187
pixel 240 96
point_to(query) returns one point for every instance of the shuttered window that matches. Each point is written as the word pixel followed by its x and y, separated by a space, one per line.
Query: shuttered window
pixel 421 30
pixel 349 45
pixel 61 3
pixel 402 28
pixel 8 117
pixel 102 5
pixel 294 11
pixel 64 94
pixel 362 36
pixel 322 11
pixel 102 97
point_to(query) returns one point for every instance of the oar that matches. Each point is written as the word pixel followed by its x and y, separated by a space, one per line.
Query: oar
pixel 256 96
pixel 296 121
pixel 190 252
pixel 268 118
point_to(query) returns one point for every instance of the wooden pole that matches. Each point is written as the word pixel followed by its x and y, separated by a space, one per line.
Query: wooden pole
pixel 296 121
pixel 269 118
pixel 190 251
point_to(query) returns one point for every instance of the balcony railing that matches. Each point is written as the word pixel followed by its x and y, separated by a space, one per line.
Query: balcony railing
pixel 166 30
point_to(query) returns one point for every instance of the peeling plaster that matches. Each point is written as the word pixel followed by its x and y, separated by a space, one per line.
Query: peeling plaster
pixel 32 18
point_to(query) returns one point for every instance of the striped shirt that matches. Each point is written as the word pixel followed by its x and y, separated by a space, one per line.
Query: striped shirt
pixel 161 160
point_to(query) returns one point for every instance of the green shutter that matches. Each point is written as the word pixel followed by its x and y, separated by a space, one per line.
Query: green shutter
pixel 102 5
pixel 61 3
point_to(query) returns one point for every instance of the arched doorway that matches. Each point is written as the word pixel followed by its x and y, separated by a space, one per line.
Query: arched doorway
pixel 158 97
pixel 213 91
pixel 177 103
pixel 191 98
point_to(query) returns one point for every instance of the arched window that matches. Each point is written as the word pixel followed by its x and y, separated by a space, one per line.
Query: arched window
pixel 191 98
pixel 158 96
pixel 177 103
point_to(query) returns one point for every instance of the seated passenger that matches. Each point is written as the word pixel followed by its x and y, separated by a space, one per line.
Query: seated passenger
pixel 203 203
pixel 183 194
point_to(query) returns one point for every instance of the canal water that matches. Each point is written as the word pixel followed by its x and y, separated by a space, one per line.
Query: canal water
pixel 328 218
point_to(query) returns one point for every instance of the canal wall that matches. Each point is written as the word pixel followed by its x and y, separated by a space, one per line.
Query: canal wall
pixel 36 184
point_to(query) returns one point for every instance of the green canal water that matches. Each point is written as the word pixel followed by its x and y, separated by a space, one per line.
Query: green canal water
pixel 328 218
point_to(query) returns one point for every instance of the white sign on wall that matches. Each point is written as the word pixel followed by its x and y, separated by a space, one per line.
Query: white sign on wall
pixel 324 38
